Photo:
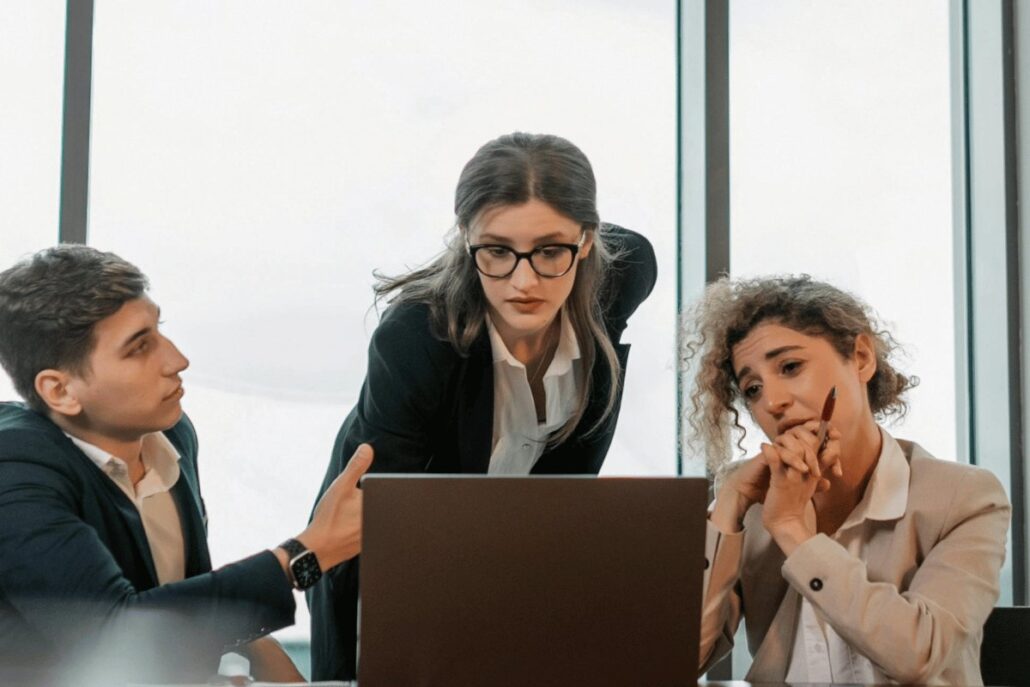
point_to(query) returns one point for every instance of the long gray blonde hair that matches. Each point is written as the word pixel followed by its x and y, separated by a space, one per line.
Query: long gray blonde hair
pixel 511 170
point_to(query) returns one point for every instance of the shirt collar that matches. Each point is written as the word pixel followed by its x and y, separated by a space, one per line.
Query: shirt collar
pixel 568 348
pixel 566 352
pixel 886 495
pixel 159 455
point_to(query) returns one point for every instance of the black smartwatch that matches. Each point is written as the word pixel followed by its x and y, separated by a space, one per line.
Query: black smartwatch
pixel 304 568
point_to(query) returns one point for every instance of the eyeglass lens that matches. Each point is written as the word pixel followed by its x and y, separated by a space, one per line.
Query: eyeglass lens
pixel 547 261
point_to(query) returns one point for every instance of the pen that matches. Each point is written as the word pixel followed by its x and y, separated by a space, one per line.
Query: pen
pixel 831 401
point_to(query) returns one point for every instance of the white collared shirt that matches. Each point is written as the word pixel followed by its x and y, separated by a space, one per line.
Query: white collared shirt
pixel 820 654
pixel 518 438
pixel 152 498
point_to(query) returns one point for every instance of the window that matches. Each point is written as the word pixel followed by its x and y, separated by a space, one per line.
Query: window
pixel 841 167
pixel 259 164
pixel 31 63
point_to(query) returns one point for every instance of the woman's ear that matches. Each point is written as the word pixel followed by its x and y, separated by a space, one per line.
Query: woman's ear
pixel 588 243
pixel 865 357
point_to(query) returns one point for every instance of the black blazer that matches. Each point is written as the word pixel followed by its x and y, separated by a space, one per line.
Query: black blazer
pixel 425 408
pixel 77 579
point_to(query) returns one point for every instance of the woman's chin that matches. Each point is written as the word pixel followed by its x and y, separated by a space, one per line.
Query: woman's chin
pixel 524 323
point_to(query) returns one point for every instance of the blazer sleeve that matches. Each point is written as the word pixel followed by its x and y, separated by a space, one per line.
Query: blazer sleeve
pixel 721 600
pixel 63 582
pixel 409 372
pixel 913 635
pixel 409 377
pixel 631 276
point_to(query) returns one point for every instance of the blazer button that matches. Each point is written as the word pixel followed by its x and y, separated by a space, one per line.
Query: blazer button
pixel 816 584
pixel 706 564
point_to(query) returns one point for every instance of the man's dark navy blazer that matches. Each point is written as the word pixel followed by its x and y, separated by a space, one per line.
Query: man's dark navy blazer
pixel 77 579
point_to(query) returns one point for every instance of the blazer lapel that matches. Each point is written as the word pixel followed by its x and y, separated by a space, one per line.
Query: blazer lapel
pixel 601 382
pixel 476 407
pixel 773 656
pixel 194 525
pixel 139 568
pixel 130 515
pixel 476 416
pixel 584 455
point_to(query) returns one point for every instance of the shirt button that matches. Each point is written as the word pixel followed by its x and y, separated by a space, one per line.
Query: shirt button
pixel 706 564
pixel 526 447
pixel 815 584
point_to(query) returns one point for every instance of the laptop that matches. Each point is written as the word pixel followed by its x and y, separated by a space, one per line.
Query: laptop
pixel 476 580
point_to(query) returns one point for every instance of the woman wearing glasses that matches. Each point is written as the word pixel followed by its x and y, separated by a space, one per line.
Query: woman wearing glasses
pixel 503 355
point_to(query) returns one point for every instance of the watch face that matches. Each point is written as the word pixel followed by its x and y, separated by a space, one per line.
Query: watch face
pixel 306 571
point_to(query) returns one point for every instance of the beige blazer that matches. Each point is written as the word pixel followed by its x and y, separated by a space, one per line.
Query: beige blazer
pixel 915 606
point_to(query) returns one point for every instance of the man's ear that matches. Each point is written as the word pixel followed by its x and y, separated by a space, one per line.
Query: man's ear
pixel 865 357
pixel 54 387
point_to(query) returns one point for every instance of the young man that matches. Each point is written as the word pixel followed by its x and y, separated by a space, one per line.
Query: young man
pixel 104 566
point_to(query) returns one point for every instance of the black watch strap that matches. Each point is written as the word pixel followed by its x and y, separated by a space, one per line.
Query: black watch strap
pixel 303 564
pixel 293 547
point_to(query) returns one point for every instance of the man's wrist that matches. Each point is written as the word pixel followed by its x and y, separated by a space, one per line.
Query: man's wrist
pixel 284 561
pixel 299 562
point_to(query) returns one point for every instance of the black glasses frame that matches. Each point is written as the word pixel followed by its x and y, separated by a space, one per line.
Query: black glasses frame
pixel 519 256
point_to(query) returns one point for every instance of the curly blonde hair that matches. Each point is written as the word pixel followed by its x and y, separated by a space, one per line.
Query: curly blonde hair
pixel 730 309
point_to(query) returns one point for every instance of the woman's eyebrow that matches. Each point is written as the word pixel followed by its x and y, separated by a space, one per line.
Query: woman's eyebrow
pixel 550 238
pixel 546 238
pixel 492 238
pixel 769 355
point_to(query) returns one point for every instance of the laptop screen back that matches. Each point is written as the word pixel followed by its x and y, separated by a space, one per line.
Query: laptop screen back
pixel 473 580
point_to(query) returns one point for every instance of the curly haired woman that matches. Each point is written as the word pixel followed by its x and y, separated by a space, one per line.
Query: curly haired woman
pixel 851 555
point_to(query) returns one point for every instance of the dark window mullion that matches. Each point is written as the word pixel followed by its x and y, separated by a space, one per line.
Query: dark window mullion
pixel 78 83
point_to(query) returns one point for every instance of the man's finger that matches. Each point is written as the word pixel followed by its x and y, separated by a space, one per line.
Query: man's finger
pixel 358 466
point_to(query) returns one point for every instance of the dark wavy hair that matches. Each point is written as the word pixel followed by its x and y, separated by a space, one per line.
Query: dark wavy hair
pixel 728 311
pixel 512 170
